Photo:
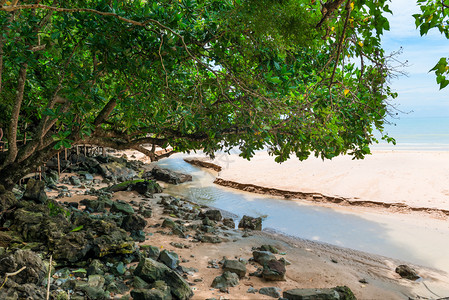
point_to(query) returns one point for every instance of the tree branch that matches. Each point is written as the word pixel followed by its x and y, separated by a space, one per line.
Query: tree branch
pixel 12 131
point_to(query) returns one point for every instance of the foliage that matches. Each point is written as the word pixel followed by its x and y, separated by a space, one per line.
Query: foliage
pixel 295 77
pixel 435 14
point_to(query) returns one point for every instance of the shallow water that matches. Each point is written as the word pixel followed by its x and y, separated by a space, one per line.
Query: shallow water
pixel 400 236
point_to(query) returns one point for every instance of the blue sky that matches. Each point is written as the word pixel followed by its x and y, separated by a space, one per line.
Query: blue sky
pixel 419 93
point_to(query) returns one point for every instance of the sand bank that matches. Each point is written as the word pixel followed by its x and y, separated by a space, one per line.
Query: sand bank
pixel 415 179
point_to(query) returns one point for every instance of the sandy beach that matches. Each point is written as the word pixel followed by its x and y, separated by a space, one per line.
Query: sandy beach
pixel 417 179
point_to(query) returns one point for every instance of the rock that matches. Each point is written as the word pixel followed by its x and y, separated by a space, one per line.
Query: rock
pixel 170 259
pixel 72 247
pixel 262 257
pixel 406 272
pixel 35 190
pixel 147 186
pixel 274 270
pixel 307 294
pixel 213 239
pixel 123 207
pixel 252 290
pixel 251 223
pixel 151 271
pixel 169 223
pixel 116 170
pixel 94 292
pixel 96 281
pixel 213 214
pixel 169 176
pixel 139 283
pixel 7 199
pixel 115 243
pixel 235 266
pixel 269 248
pixel 132 223
pixel 227 279
pixel 150 251
pixel 88 177
pixel 93 205
pixel 24 291
pixel 96 267
pixel 34 272
pixel 274 292
pixel 74 180
pixel 337 293
pixel 228 222
pixel 138 236
pixel 153 294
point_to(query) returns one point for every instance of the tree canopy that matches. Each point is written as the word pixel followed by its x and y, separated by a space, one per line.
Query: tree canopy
pixel 295 77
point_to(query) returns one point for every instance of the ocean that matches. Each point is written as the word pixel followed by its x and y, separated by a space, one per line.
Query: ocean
pixel 417 133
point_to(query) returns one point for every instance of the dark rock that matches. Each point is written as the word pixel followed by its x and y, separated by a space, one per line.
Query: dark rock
pixel 151 271
pixel 74 180
pixel 150 251
pixel 213 239
pixel 337 293
pixel 251 223
pixel 406 272
pixel 88 177
pixel 115 243
pixel 123 186
pixel 96 281
pixel 7 199
pixel 227 279
pixel 93 205
pixel 133 223
pixel 123 207
pixel 35 190
pixel 96 267
pixel 213 214
pixel 94 292
pixel 169 176
pixel 147 186
pixel 139 283
pixel 72 247
pixel 252 290
pixel 208 222
pixel 262 257
pixel 269 248
pixel 274 270
pixel 228 222
pixel 34 272
pixel 116 170
pixel 23 291
pixel 274 292
pixel 146 212
pixel 138 236
pixel 170 259
pixel 235 266
pixel 169 223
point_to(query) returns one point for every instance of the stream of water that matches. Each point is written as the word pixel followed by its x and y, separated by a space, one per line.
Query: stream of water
pixel 400 236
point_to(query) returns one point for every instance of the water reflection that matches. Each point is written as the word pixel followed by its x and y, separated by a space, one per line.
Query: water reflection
pixel 299 219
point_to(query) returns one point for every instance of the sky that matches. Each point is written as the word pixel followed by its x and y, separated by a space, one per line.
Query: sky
pixel 419 94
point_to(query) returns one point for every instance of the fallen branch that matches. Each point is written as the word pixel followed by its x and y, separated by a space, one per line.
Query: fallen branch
pixel 12 274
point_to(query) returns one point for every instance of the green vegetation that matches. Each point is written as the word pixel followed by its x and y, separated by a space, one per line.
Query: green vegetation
pixel 298 77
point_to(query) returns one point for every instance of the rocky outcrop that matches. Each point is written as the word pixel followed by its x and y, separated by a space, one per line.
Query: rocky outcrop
pixel 406 272
pixel 35 191
pixel 235 266
pixel 168 176
pixel 152 271
pixel 248 222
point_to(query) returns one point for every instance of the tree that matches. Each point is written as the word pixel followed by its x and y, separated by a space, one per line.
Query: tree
pixel 297 77
pixel 435 14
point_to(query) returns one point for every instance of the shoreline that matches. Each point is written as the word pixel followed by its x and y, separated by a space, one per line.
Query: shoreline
pixel 314 197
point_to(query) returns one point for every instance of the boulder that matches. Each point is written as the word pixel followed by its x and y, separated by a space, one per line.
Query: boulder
pixel 271 291
pixel 35 190
pixel 147 186
pixel 307 294
pixel 74 180
pixel 263 257
pixel 235 266
pixel 213 214
pixel 227 279
pixel 150 251
pixel 152 271
pixel 248 222
pixel 406 272
pixel 274 270
pixel 132 223
pixel 94 205
pixel 170 259
pixel 228 222
pixel 7 199
pixel 115 170
pixel 269 248
pixel 72 247
pixel 122 207
pixel 169 176
pixel 115 243
pixel 34 272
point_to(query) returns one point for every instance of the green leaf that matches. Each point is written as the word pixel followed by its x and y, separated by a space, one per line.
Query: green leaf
pixel 77 228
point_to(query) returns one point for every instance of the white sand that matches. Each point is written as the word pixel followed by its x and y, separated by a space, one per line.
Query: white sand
pixel 418 179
